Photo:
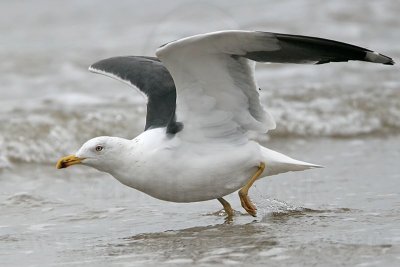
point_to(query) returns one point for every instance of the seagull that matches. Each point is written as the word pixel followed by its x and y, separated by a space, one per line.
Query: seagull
pixel 203 106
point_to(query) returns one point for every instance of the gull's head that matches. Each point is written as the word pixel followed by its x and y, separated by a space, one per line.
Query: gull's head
pixel 101 153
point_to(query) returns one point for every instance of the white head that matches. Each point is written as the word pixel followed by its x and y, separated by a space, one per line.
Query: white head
pixel 102 153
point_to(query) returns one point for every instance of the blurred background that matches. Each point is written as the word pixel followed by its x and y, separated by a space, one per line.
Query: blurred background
pixel 345 116
pixel 50 100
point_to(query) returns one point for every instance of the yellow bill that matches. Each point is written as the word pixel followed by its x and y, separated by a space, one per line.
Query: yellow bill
pixel 68 161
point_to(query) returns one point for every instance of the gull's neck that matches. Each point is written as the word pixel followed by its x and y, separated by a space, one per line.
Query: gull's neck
pixel 131 166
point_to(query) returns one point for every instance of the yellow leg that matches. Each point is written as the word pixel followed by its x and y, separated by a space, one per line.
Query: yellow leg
pixel 227 207
pixel 243 193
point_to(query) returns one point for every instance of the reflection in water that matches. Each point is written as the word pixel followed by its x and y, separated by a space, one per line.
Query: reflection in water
pixel 234 242
pixel 209 244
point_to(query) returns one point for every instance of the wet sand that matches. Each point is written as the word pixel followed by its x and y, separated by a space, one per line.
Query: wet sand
pixel 345 214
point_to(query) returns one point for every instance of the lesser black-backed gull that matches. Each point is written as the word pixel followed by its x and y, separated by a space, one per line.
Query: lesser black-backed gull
pixel 202 103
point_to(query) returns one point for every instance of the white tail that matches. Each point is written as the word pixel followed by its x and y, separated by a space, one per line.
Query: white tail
pixel 279 163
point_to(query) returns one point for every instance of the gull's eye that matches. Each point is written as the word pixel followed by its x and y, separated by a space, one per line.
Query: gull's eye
pixel 99 148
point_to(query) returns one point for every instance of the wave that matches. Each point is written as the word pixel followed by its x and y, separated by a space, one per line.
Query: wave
pixel 305 100
pixel 336 112
pixel 44 130
pixel 25 199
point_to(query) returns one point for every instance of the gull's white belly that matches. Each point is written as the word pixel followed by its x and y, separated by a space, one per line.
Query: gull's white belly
pixel 190 173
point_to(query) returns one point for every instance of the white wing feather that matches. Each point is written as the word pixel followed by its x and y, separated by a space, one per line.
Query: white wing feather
pixel 217 95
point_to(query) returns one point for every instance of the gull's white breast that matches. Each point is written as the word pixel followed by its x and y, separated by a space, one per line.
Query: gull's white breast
pixel 174 170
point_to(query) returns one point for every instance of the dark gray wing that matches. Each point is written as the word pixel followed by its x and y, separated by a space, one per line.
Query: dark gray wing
pixel 150 76
pixel 305 49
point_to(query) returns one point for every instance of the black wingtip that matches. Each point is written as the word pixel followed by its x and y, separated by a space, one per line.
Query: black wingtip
pixel 375 57
pixel 391 62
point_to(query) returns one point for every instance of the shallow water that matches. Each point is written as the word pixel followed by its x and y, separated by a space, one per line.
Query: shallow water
pixel 346 213
pixel 343 116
